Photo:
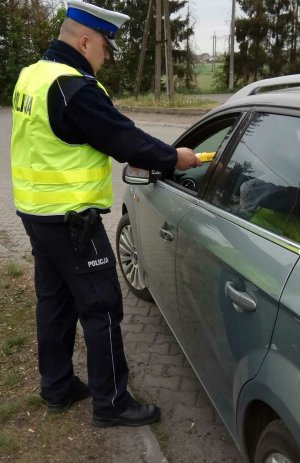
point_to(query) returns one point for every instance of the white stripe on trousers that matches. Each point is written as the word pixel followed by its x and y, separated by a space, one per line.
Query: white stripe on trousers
pixel 113 363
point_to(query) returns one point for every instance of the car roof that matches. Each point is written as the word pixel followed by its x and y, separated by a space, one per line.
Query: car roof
pixel 283 98
pixel 272 83
pixel 268 92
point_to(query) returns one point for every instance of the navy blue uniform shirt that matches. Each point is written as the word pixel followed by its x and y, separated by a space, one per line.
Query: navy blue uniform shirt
pixel 80 112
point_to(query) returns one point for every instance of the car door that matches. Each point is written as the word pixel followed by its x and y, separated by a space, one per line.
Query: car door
pixel 234 253
pixel 161 208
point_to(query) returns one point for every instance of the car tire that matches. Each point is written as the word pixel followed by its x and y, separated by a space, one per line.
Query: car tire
pixel 277 445
pixel 129 261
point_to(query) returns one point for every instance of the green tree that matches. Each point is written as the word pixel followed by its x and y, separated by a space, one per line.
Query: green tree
pixel 252 35
pixel 295 29
pixel 13 54
pixel 221 75
pixel 121 75
pixel 26 29
pixel 268 38
pixel 281 22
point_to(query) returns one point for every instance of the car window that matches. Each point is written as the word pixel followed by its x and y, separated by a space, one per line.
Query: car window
pixel 261 180
pixel 207 142
pixel 213 142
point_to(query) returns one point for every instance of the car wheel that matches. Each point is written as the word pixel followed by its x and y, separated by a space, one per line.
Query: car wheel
pixel 277 445
pixel 129 260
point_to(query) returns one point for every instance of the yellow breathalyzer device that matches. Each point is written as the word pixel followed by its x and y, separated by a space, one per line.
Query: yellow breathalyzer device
pixel 206 156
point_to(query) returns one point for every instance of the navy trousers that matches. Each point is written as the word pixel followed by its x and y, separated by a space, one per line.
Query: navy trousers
pixel 69 287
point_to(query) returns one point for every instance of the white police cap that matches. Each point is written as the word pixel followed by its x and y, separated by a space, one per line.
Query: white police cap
pixel 105 21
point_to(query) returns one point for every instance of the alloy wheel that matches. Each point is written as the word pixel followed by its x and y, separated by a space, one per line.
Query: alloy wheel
pixel 277 458
pixel 129 258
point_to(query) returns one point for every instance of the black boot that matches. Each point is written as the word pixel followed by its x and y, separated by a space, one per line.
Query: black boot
pixel 79 391
pixel 135 414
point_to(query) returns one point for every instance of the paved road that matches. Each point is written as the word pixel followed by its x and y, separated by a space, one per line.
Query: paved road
pixel 190 430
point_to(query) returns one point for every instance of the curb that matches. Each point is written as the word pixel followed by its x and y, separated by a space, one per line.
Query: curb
pixel 152 451
pixel 7 255
pixel 148 442
pixel 4 252
pixel 175 111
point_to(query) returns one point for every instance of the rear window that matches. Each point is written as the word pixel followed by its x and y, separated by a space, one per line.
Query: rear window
pixel 261 180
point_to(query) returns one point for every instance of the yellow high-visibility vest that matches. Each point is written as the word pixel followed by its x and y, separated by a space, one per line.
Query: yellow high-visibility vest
pixel 50 176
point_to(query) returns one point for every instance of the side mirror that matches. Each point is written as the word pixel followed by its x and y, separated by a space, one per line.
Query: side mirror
pixel 137 176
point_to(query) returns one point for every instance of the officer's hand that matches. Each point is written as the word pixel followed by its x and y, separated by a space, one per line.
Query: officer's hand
pixel 186 159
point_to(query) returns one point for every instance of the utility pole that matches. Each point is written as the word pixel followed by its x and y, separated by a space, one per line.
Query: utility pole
pixel 214 52
pixel 143 50
pixel 168 51
pixel 188 67
pixel 232 37
pixel 295 28
pixel 297 24
pixel 158 51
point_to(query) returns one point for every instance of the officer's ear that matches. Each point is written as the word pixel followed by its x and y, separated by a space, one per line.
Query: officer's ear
pixel 83 44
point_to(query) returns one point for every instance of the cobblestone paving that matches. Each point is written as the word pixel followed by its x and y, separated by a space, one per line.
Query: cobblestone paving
pixel 190 430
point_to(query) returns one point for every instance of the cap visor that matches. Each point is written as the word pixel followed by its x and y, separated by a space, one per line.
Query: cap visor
pixel 113 44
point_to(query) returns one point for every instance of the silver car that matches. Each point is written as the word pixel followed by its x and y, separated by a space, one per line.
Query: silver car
pixel 217 248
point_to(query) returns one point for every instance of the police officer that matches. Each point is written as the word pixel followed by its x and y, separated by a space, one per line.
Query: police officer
pixel 65 131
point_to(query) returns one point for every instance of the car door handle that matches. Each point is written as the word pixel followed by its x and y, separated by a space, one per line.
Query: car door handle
pixel 166 234
pixel 241 300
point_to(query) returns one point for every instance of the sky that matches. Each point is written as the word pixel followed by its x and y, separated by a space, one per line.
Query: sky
pixel 209 17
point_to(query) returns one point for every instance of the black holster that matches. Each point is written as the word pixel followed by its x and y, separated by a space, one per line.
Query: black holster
pixel 81 228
